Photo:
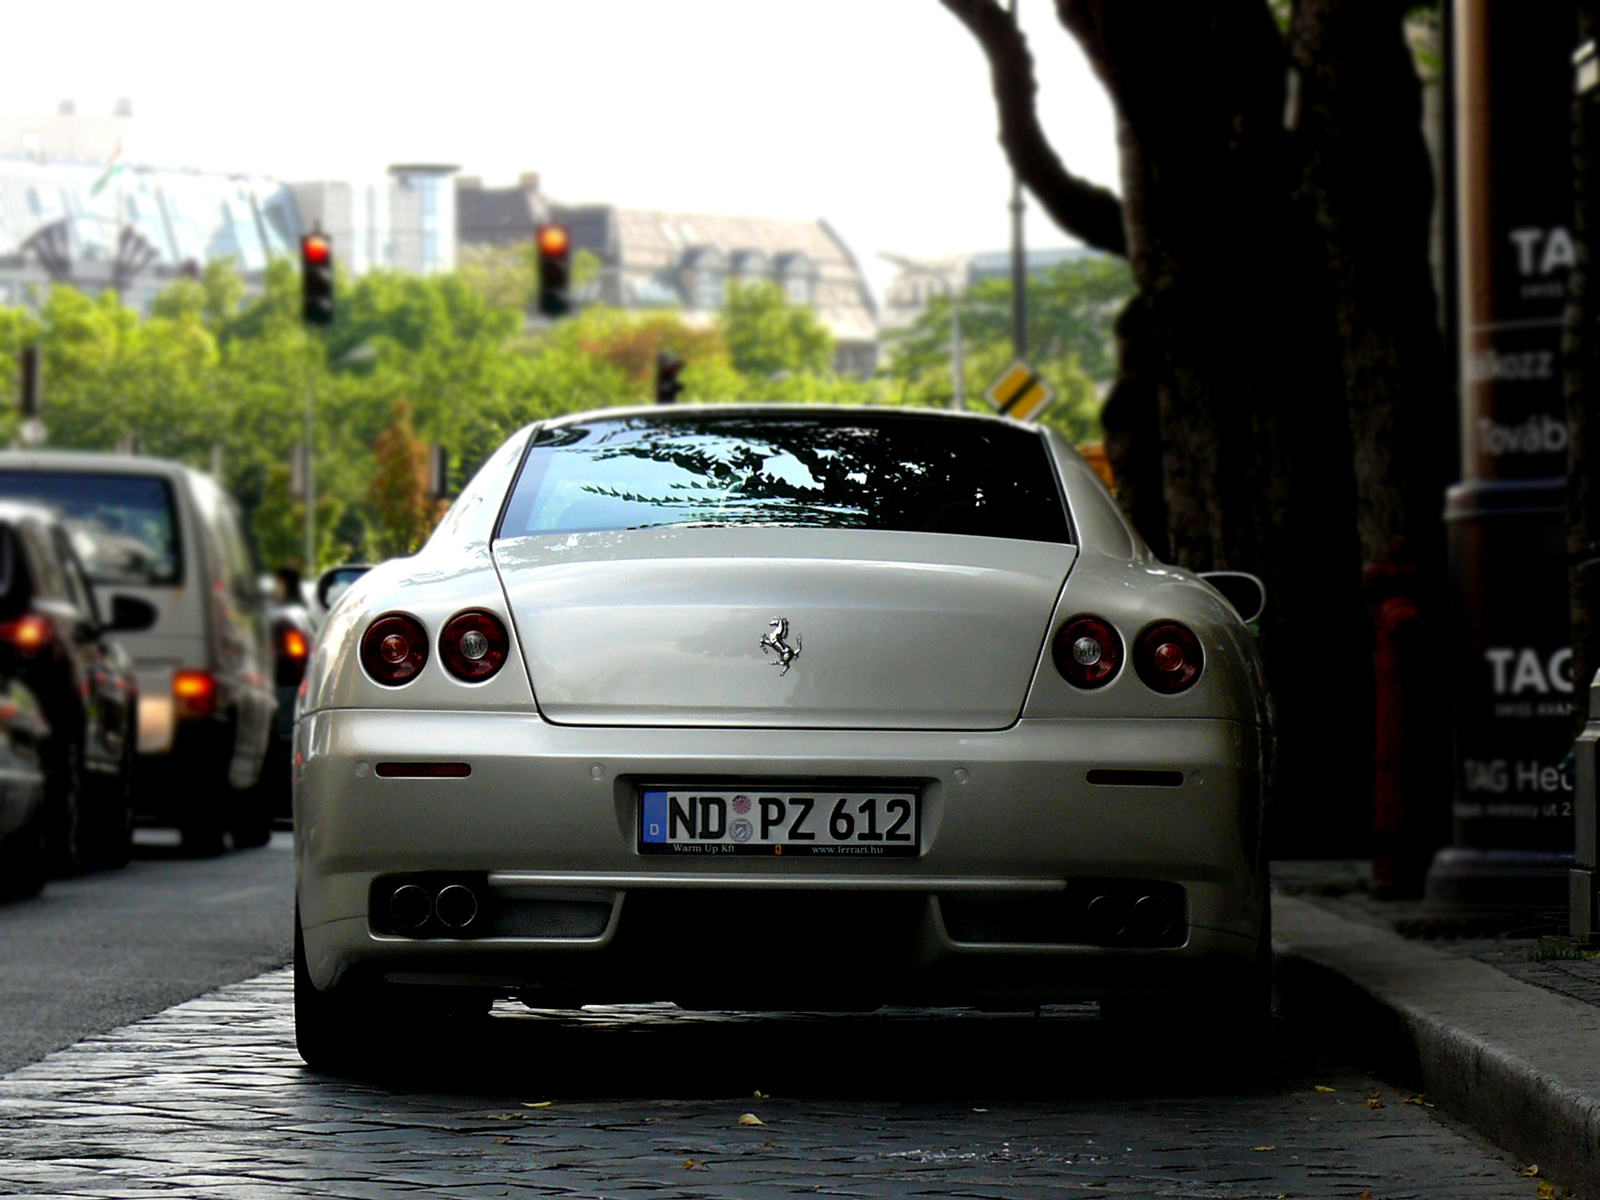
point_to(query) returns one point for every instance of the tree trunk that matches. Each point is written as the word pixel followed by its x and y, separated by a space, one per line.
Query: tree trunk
pixel 1256 454
pixel 1369 186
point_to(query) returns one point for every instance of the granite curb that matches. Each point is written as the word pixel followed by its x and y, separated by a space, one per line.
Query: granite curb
pixel 1518 1063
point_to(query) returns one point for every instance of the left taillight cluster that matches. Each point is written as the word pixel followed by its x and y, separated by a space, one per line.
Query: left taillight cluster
pixel 472 645
pixel 1088 652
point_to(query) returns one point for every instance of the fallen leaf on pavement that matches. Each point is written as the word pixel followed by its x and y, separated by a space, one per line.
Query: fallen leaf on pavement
pixel 1324 1088
pixel 500 1141
pixel 1262 1149
pixel 692 1164
pixel 760 1095
pixel 504 1116
pixel 751 1119
pixel 1366 1195
pixel 1416 1100
pixel 1374 1102
pixel 536 1103
pixel 1531 1169
pixel 1546 1190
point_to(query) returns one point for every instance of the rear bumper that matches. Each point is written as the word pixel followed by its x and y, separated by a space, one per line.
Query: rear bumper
pixel 549 813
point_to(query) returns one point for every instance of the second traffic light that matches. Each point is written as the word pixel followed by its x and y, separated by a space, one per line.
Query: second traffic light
pixel 316 279
pixel 554 244
pixel 668 384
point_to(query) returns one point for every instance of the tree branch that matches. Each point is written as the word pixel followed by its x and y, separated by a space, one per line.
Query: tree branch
pixel 1089 212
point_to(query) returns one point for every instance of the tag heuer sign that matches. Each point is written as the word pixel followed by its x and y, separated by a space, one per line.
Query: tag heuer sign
pixel 1019 393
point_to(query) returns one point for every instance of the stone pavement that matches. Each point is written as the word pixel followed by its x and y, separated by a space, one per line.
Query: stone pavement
pixel 208 1099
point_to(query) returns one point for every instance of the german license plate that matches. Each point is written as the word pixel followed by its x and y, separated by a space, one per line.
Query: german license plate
pixel 694 820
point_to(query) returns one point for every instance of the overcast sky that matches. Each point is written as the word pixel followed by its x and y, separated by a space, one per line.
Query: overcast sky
pixel 875 114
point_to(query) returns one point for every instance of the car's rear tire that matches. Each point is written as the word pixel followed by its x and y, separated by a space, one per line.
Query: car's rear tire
pixel 66 837
pixel 1226 1024
pixel 110 842
pixel 252 818
pixel 22 860
pixel 327 1029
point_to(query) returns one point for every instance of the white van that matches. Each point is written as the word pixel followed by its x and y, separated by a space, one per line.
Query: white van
pixel 168 535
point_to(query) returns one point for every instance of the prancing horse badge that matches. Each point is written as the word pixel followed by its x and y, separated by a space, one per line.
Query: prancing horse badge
pixel 776 639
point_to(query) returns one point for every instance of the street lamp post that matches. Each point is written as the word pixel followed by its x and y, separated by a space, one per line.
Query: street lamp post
pixel 1019 258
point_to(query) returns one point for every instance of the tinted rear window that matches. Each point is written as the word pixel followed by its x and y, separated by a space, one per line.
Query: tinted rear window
pixel 846 471
pixel 124 527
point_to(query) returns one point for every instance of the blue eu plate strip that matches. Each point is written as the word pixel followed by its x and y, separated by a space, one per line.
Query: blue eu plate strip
pixel 655 816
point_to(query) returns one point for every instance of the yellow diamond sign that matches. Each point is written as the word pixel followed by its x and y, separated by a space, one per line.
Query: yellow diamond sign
pixel 1019 393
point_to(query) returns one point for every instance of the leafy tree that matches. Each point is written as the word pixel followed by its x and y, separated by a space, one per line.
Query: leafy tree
pixel 1071 310
pixel 403 512
pixel 766 335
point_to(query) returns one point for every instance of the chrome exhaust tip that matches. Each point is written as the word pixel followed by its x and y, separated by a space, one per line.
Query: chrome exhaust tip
pixel 410 906
pixel 456 906
pixel 1106 917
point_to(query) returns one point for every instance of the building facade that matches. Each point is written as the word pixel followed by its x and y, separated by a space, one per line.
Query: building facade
pixel 651 259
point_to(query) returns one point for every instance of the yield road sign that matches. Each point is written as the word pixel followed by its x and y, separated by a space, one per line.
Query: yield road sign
pixel 1020 393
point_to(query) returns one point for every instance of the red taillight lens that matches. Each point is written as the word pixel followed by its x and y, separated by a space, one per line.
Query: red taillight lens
pixel 394 649
pixel 26 633
pixel 473 644
pixel 1087 651
pixel 194 693
pixel 1168 657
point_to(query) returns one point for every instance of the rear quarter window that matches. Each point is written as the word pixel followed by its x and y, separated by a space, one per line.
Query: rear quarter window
pixel 877 471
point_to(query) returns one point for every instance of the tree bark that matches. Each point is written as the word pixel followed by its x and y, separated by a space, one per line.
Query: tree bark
pixel 1369 187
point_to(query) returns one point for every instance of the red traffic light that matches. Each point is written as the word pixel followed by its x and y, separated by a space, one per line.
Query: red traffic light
pixel 553 240
pixel 315 250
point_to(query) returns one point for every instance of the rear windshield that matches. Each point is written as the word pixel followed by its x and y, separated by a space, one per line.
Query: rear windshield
pixel 821 470
pixel 124 527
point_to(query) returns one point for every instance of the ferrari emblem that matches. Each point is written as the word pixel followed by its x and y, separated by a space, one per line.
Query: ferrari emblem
pixel 776 640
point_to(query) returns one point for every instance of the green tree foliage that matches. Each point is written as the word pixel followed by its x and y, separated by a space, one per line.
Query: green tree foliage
pixel 768 336
pixel 1071 309
pixel 403 512
pixel 212 367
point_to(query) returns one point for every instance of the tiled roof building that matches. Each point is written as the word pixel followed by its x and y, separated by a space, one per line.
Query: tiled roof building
pixel 654 259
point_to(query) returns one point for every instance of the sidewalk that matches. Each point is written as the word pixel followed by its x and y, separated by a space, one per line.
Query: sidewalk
pixel 1491 1025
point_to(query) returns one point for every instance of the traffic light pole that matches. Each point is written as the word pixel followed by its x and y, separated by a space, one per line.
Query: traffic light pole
pixel 311 487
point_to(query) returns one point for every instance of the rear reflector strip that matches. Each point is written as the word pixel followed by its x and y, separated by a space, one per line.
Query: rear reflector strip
pixel 1131 778
pixel 423 770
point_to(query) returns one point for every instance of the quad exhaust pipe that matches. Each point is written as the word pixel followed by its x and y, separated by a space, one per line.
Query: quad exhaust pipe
pixel 1112 920
pixel 412 907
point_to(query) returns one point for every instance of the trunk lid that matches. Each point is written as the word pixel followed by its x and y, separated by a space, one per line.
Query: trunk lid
pixel 781 628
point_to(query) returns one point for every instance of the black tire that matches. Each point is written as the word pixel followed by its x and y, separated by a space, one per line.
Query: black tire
pixel 252 819
pixel 22 860
pixel 327 1028
pixel 111 820
pixel 1227 1024
pixel 65 832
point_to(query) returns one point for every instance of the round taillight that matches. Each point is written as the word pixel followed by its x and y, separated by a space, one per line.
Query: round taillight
pixel 1087 651
pixel 473 644
pixel 394 649
pixel 1168 657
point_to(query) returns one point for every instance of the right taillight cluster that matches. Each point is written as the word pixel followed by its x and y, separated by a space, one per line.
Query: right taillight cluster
pixel 473 645
pixel 1088 652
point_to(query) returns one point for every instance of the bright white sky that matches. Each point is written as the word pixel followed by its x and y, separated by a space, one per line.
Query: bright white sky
pixel 875 114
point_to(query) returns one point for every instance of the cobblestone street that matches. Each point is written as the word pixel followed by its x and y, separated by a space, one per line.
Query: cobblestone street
pixel 209 1099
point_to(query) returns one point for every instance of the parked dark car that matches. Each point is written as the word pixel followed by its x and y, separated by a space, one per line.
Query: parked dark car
pixel 22 832
pixel 55 643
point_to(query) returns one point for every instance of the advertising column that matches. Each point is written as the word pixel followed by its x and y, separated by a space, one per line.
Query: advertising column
pixel 1512 669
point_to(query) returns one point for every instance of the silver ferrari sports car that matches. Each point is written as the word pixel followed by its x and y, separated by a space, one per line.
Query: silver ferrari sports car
pixel 779 708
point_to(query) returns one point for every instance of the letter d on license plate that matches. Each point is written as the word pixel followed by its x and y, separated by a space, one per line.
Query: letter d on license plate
pixel 858 823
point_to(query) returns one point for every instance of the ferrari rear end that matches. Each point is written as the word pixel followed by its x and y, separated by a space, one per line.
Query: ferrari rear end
pixel 781 708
